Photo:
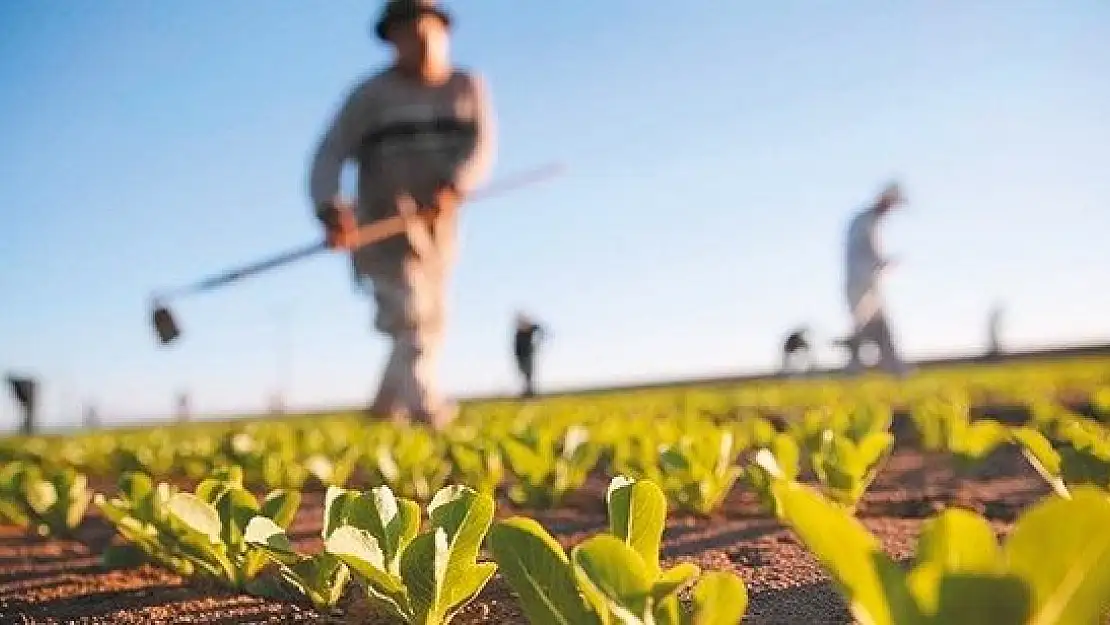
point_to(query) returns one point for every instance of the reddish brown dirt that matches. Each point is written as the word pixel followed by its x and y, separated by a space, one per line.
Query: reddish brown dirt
pixel 61 581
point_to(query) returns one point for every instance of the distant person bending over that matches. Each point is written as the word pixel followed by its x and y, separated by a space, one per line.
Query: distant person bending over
pixel 528 333
pixel 422 134
pixel 865 266
pixel 796 355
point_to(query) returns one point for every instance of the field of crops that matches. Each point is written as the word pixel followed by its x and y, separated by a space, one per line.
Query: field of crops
pixel 970 495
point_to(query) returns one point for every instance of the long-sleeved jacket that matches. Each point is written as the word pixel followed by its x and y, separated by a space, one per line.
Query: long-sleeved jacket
pixel 863 259
pixel 409 138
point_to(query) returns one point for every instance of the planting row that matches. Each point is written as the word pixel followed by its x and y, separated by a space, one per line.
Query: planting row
pixel 696 461
pixel 424 566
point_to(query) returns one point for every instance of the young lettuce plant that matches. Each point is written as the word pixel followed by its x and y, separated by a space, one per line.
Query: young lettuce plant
pixel 477 464
pixel 614 577
pixel 636 454
pixel 420 579
pixel 197 534
pixel 852 422
pixel 266 456
pixel 322 577
pixel 1054 569
pixel 699 470
pixel 335 472
pixel 410 462
pixel 51 502
pixel 545 467
pixel 1081 459
pixel 846 468
pixel 784 449
pixel 945 425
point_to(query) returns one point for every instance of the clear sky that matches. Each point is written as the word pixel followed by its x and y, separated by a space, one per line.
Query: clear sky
pixel 715 152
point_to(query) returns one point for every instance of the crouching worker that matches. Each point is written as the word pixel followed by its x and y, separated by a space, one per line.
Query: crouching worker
pixel 421 134
pixel 796 356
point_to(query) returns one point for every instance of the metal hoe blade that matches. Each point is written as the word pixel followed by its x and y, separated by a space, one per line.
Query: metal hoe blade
pixel 164 324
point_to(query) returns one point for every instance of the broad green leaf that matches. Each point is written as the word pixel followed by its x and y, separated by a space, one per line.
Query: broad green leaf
pixel 526 462
pixel 41 495
pixel 870 581
pixel 405 526
pixel 953 542
pixel 616 571
pixel 195 514
pixel 336 503
pixel 980 599
pixel 138 489
pixel 719 599
pixel 539 572
pixel 438 566
pixel 236 507
pixel 391 521
pixel 669 581
pixel 362 552
pixel 281 506
pixel 787 454
pixel 574 439
pixel 1042 457
pixel 637 515
pixel 1061 548
pixel 263 533
pixel 874 447
pixel 322 578
pixel 465 516
pixel 668 612
pixel 423 571
pixel 78 497
pixel 465 586
pixel 982 437
pixel 959 541
pixel 211 489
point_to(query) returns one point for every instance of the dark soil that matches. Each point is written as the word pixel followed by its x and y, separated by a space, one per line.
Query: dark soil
pixel 61 581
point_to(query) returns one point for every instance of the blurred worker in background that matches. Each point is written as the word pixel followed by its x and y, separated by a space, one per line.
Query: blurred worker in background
pixel 422 134
pixel 184 407
pixel 25 390
pixel 994 331
pixel 527 335
pixel 865 265
pixel 796 354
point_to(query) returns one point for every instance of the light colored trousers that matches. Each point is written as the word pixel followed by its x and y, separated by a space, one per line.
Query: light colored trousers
pixel 410 300
pixel 870 326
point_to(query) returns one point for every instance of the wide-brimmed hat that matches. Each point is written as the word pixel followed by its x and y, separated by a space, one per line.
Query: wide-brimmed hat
pixel 403 10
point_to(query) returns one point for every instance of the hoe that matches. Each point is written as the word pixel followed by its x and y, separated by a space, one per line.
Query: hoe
pixel 166 327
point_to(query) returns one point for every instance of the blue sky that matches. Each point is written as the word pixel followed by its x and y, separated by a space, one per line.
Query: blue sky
pixel 715 151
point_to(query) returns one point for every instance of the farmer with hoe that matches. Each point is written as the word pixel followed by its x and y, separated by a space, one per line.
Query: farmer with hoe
pixel 421 132
pixel 865 265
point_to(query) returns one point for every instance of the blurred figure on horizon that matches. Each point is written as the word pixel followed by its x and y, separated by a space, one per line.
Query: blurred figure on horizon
pixel 796 354
pixel 183 408
pixel 421 132
pixel 525 339
pixel 864 266
pixel 994 332
pixel 91 418
pixel 25 390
